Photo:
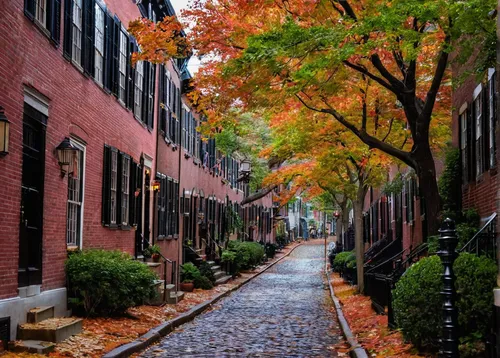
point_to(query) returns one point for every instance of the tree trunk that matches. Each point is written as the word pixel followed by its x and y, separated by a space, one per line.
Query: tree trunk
pixel 358 236
pixel 345 226
pixel 427 181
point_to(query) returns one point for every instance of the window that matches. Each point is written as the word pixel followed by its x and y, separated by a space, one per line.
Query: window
pixel 139 79
pixel 76 49
pixel 478 120
pixel 125 185
pixel 114 185
pixel 122 67
pixel 121 175
pixel 99 45
pixel 74 215
pixel 47 14
pixel 168 204
pixel 40 11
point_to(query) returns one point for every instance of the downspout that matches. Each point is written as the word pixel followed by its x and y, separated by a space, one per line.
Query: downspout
pixel 181 215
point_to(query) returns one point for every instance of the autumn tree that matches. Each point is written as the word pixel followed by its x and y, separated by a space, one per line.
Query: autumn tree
pixel 265 52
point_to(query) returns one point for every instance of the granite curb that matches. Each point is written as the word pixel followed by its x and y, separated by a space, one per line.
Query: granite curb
pixel 156 333
pixel 357 351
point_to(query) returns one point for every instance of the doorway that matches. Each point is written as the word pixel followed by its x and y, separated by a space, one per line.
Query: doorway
pixel 32 189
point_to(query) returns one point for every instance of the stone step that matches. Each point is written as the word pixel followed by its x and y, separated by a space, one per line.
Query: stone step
pixel 211 263
pixel 219 274
pixel 39 314
pixel 222 280
pixel 30 346
pixel 215 268
pixel 50 330
pixel 171 298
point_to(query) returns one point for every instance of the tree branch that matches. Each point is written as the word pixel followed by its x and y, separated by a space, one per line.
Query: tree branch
pixel 395 82
pixel 364 71
pixel 260 194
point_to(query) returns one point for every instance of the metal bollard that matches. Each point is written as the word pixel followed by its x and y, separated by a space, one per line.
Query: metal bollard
pixel 447 244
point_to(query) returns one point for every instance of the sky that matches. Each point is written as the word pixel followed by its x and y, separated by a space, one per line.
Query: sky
pixel 178 5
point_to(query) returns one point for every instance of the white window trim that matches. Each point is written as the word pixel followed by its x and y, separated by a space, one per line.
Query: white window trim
pixel 43 20
pixel 83 148
pixel 96 49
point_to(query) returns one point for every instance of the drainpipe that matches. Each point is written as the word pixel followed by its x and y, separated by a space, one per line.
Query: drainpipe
pixel 496 291
pixel 180 215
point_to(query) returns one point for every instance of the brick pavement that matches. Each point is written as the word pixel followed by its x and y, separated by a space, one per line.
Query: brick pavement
pixel 284 312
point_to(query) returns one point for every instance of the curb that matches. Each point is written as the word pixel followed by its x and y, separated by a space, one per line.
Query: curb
pixel 357 351
pixel 156 333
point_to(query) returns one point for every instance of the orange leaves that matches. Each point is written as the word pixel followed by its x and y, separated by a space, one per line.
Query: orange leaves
pixel 158 42
pixel 370 329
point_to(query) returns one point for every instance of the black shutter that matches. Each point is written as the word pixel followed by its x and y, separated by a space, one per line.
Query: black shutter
pixel 55 30
pixel 486 128
pixel 88 37
pixel 471 143
pixel 29 9
pixel 68 24
pixel 106 187
pixel 161 109
pixel 132 187
pixel 130 74
pixel 115 62
pixel 108 50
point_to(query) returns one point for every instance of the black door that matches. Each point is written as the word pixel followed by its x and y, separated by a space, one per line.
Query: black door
pixel 147 201
pixel 138 212
pixel 31 215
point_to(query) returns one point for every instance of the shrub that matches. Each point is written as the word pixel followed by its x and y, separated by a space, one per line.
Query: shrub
pixel 228 256
pixel 417 302
pixel 106 283
pixel 420 288
pixel 341 260
pixel 189 272
pixel 206 271
pixel 248 254
pixel 450 182
pixel 203 282
pixel 476 278
pixel 271 250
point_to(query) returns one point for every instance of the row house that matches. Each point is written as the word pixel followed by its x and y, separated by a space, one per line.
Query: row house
pixel 138 173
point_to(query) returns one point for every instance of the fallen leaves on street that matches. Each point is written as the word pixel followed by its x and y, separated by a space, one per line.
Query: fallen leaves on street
pixel 370 329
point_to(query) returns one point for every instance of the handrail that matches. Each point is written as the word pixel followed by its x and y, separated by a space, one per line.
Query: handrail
pixel 382 250
pixel 489 220
pixel 165 261
pixel 386 261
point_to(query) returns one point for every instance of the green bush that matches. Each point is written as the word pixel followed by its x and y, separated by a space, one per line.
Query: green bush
pixel 106 283
pixel 206 270
pixel 203 282
pixel 248 254
pixel 271 250
pixel 228 256
pixel 189 272
pixel 417 300
pixel 341 260
pixel 476 278
pixel 450 182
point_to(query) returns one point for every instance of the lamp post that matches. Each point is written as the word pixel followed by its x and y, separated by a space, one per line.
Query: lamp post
pixel 4 133
pixel 447 244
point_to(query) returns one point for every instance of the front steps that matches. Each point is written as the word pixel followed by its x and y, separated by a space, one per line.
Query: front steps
pixel 43 330
pixel 220 276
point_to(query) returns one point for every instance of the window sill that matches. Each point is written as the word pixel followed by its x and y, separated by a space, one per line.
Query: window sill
pixel 125 227
pixel 41 27
pixel 72 248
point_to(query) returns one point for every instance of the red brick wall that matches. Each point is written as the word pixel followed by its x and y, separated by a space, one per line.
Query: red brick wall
pixel 481 193
pixel 77 106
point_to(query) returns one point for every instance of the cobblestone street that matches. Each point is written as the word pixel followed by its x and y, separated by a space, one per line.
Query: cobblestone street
pixel 283 312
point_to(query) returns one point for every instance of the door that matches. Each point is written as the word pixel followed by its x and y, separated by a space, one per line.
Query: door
pixel 139 211
pixel 31 215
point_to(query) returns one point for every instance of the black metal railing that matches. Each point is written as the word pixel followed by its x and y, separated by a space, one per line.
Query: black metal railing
pixel 5 332
pixel 173 272
pixel 484 242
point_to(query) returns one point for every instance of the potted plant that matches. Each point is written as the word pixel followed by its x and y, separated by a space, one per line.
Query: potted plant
pixel 189 273
pixel 153 252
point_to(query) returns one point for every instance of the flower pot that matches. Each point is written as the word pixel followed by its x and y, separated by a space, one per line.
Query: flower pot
pixel 155 257
pixel 187 286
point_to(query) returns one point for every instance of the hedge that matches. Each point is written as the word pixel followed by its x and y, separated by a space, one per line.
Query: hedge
pixel 103 283
pixel 417 301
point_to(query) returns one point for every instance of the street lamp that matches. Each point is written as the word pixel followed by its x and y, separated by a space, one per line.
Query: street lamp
pixel 4 133
pixel 65 153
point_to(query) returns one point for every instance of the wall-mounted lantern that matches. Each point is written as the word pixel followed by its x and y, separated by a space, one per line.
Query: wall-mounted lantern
pixel 65 154
pixel 245 167
pixel 4 133
pixel 155 185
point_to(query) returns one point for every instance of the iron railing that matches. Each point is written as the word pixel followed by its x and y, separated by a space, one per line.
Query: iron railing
pixel 484 242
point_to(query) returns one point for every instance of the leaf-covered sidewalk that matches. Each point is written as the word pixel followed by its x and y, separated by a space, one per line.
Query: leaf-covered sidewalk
pixel 370 328
pixel 101 335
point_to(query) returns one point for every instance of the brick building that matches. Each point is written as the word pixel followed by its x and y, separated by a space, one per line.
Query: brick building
pixel 66 78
